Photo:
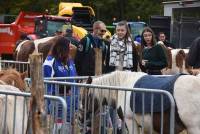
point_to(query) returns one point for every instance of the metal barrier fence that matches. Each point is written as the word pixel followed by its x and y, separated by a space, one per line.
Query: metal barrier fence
pixel 85 118
pixel 14 113
pixel 69 93
pixel 18 65
pixel 74 109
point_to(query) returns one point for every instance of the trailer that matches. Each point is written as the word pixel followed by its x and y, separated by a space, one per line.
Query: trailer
pixel 185 21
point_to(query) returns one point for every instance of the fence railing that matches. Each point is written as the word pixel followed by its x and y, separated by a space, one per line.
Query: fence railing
pixel 15 113
pixel 18 65
pixel 73 95
pixel 85 118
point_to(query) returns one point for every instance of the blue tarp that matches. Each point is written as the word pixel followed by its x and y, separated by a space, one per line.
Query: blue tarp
pixel 153 82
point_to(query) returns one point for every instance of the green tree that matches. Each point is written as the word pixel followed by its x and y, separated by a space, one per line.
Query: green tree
pixel 15 6
pixel 105 10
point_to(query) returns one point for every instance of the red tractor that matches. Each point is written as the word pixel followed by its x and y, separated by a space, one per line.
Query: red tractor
pixel 10 33
pixel 48 25
pixel 36 25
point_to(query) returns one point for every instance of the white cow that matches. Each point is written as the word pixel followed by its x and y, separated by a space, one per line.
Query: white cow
pixel 20 118
pixel 186 95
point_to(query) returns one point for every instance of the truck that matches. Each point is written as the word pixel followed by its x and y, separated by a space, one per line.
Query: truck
pixel 10 33
pixel 35 25
pixel 136 28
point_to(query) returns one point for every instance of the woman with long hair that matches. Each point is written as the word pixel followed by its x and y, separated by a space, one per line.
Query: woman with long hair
pixel 123 54
pixel 59 64
pixel 153 55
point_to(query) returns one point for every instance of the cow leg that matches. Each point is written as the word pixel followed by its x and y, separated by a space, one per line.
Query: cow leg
pixel 132 125
pixel 157 122
pixel 179 126
pixel 146 126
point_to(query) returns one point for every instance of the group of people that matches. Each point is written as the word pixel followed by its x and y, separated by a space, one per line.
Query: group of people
pixel 119 53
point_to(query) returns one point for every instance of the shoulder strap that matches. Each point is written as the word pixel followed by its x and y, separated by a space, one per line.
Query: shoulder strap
pixel 104 47
pixel 88 42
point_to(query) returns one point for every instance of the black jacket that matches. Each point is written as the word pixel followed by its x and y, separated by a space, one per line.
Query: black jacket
pixel 85 57
pixel 194 54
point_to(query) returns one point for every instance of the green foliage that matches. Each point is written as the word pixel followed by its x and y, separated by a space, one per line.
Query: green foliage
pixel 129 10
pixel 105 10
pixel 15 6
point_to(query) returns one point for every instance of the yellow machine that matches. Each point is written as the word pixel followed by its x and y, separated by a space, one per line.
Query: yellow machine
pixel 79 32
pixel 66 8
pixel 82 17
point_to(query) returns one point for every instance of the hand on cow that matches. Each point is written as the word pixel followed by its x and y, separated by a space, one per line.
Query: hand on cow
pixel 144 62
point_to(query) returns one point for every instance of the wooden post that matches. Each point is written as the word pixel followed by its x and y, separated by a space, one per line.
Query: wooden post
pixel 37 95
pixel 98 71
pixel 98 61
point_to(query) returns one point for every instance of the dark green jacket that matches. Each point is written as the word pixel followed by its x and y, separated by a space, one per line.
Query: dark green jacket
pixel 85 57
pixel 156 57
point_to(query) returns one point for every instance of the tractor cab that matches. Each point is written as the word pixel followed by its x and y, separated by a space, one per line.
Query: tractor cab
pixel 48 25
pixel 82 16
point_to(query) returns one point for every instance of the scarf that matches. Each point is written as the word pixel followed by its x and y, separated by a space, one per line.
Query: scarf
pixel 120 47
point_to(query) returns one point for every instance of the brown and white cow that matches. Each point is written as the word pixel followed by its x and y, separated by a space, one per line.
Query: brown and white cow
pixel 177 62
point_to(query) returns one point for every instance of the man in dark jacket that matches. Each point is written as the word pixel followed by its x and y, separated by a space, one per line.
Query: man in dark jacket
pixel 85 57
pixel 162 37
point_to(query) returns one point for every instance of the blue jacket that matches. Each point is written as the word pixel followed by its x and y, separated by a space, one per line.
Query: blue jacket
pixel 54 68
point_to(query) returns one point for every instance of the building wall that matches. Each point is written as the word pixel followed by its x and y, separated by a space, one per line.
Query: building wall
pixel 185 21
